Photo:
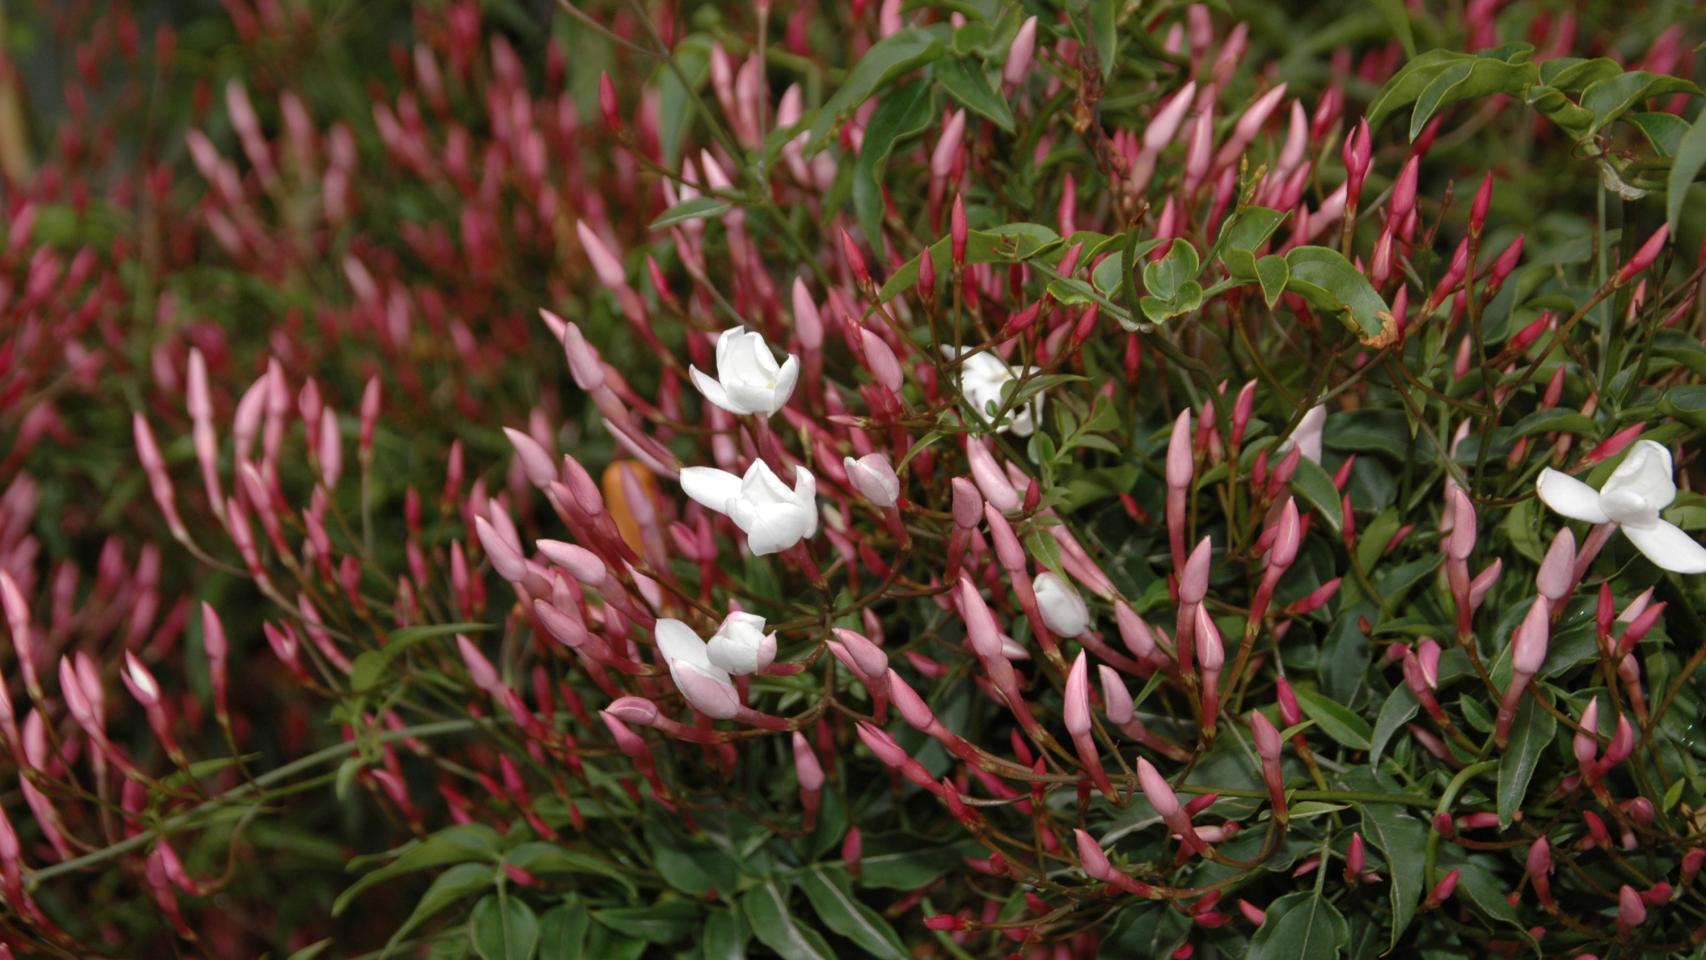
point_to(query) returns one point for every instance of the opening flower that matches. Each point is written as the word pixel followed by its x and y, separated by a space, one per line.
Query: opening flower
pixel 982 375
pixel 1063 610
pixel 772 516
pixel 706 686
pixel 740 646
pixel 748 378
pixel 1631 498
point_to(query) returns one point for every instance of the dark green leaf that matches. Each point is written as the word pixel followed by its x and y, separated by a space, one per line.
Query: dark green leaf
pixel 667 921
pixel 1300 926
pixel 562 931
pixel 1330 282
pixel 1273 273
pixel 1398 20
pixel 503 928
pixel 457 844
pixel 1690 157
pixel 1531 736
pixel 888 58
pixel 725 937
pixel 1104 33
pixel 900 115
pixel 965 81
pixel 1399 707
pixel 695 208
pixel 1466 80
pixel 766 908
pixel 548 858
pixel 1663 130
pixel 1403 840
pixel 1408 83
pixel 1316 487
pixel 1555 419
pixel 1609 98
pixel 1163 277
pixel 1242 236
pixel 828 889
pixel 1335 721
pixel 450 886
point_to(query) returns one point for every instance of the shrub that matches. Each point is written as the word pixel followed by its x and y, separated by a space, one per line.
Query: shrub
pixel 1042 480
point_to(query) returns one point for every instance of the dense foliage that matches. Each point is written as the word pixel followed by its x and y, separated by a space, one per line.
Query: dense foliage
pixel 986 478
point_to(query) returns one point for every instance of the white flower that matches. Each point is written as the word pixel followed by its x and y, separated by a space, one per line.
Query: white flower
pixel 748 379
pixel 1632 497
pixel 873 476
pixel 982 376
pixel 1063 609
pixel 706 686
pixel 740 646
pixel 773 517
pixel 1307 436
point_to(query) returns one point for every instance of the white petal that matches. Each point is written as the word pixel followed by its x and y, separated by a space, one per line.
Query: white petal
pixel 761 485
pixel 1569 496
pixel 785 380
pixel 710 487
pixel 772 530
pixel 1644 475
pixel 677 641
pixel 1668 546
pixel 714 391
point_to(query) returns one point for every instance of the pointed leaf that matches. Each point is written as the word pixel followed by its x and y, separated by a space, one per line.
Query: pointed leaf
pixel 965 81
pixel 1300 926
pixel 503 928
pixel 1330 282
pixel 766 908
pixel 828 889
pixel 1403 840
pixel 1690 157
pixel 452 885
pixel 889 57
pixel 1531 736
pixel 1335 721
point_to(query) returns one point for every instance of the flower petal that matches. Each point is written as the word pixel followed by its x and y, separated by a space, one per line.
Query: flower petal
pixel 710 487
pixel 677 641
pixel 1569 496
pixel 1668 546
pixel 1644 476
pixel 714 391
pixel 785 380
pixel 762 486
pixel 707 689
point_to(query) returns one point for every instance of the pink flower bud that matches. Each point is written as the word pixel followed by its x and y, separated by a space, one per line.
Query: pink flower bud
pixel 855 259
pixel 1136 634
pixel 1179 465
pixel 806 765
pixel 1091 855
pixel 866 657
pixel 1631 911
pixel 1529 642
pixel 484 675
pixel 1267 737
pixel 958 232
pixel 874 477
pixel 1193 580
pixel 1019 53
pixel 991 482
pixel 968 503
pixel 1286 541
pixel 1586 741
pixel 1077 711
pixel 1165 124
pixel 1461 543
pixel 1643 257
pixel 1483 200
pixel 1443 890
pixel 1157 791
pixel 536 462
pixel 880 360
pixel 1116 699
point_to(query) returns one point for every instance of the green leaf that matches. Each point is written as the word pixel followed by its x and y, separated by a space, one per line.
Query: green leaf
pixel 562 931
pixel 725 936
pixel 1690 157
pixel 1335 721
pixel 965 81
pixel 1104 33
pixel 503 928
pixel 1686 402
pixel 1609 98
pixel 1398 20
pixel 1663 130
pixel 695 208
pixel 318 947
pixel 1316 488
pixel 1403 840
pixel 1399 707
pixel 544 858
pixel 1244 233
pixel 888 58
pixel 1484 889
pixel 457 844
pixel 1531 735
pixel 1330 282
pixel 1408 83
pixel 900 115
pixel 1300 926
pixel 1574 73
pixel 828 889
pixel 1165 276
pixel 1555 419
pixel 667 921
pixel 766 908
pixel 1476 77
pixel 675 108
pixel 450 886
pixel 1273 273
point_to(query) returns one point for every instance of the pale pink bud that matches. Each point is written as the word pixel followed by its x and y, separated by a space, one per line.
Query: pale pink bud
pixel 981 631
pixel 1557 571
pixel 806 765
pixel 968 503
pixel 1090 853
pixel 1193 580
pixel 1631 910
pixel 1528 644
pixel 1179 465
pixel 808 323
pixel 1443 890
pixel 1165 125
pixel 1586 742
pixel 1267 737
pixel 958 232
pixel 1077 712
pixel 484 675
pixel 1019 53
pixel 1136 634
pixel 866 657
pixel 1157 791
pixel 536 461
pixel 581 563
pixel 991 482
pixel 948 147
pixel 880 360
pixel 1211 650
pixel 1116 699
pixel 912 707
pixel 874 477
pixel 1286 541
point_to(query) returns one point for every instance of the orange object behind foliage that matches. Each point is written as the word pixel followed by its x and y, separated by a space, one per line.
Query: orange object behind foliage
pixel 616 497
